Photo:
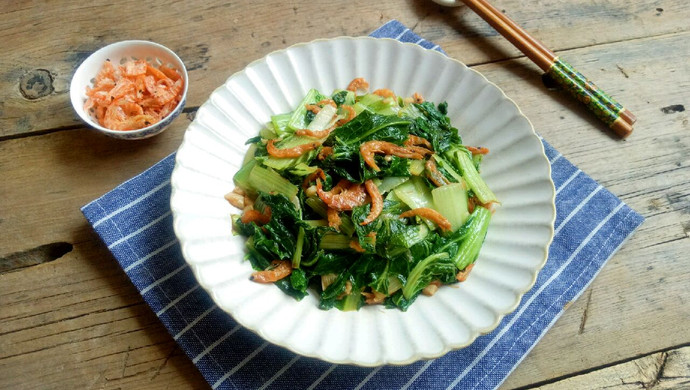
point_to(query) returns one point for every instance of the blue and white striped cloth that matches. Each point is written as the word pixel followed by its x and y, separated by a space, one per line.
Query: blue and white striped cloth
pixel 135 222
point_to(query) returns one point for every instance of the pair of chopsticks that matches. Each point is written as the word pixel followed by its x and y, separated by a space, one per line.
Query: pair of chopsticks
pixel 602 105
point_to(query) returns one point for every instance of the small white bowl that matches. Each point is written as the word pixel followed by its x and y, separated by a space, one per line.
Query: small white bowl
pixel 154 53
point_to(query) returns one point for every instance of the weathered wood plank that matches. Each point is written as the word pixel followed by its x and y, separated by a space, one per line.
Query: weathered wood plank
pixel 78 322
pixel 642 287
pixel 662 370
pixel 216 39
pixel 69 157
pixel 69 169
pixel 82 308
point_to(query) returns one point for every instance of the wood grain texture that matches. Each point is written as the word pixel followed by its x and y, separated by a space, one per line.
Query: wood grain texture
pixel 662 370
pixel 216 39
pixel 77 322
pixel 650 172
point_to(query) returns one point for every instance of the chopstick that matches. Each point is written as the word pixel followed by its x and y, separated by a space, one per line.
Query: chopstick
pixel 618 118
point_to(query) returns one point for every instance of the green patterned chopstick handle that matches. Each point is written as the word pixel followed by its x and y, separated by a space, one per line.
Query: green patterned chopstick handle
pixel 596 100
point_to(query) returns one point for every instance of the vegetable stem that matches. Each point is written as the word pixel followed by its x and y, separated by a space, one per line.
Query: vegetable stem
pixel 451 201
pixel 297 256
pixel 471 175
pixel 412 285
pixel 266 180
pixel 335 241
pixel 298 119
pixel 469 249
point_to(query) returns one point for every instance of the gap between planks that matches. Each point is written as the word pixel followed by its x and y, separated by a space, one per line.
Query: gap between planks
pixel 558 382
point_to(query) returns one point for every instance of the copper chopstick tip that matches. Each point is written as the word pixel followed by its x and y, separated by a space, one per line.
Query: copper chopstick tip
pixel 628 116
pixel 621 127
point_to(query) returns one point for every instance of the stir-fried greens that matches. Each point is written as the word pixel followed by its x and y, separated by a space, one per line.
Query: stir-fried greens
pixel 368 198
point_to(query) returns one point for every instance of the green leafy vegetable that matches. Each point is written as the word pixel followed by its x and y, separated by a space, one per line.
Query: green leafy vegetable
pixel 424 272
pixel 301 117
pixel 340 240
pixel 369 126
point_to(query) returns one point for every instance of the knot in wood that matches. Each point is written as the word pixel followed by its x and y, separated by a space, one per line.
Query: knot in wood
pixel 36 84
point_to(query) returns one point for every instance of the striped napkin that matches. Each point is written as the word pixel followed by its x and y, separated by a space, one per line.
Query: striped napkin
pixel 135 222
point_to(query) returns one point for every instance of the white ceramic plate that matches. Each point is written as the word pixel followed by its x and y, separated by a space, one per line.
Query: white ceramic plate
pixel 516 169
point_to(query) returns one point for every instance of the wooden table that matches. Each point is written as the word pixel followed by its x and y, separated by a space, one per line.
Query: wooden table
pixel 70 318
